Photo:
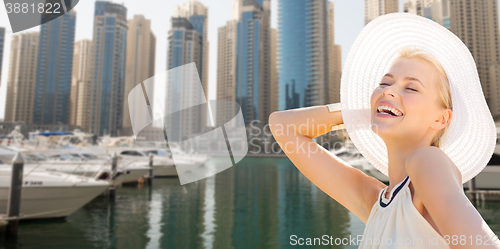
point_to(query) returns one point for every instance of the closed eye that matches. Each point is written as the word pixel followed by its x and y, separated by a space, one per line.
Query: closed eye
pixel 387 84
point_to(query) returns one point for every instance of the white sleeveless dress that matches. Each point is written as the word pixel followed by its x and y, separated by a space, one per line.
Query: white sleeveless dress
pixel 396 223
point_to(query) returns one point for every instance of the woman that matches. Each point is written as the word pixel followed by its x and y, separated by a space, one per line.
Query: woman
pixel 425 124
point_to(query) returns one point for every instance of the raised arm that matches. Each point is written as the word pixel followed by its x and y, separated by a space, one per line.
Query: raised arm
pixel 294 131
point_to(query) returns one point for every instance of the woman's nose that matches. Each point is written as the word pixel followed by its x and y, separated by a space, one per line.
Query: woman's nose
pixel 389 90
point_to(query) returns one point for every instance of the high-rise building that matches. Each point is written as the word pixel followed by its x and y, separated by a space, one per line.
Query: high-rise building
pixel 416 6
pixel 54 66
pixel 376 8
pixel 436 10
pixel 245 62
pixel 274 70
pixel 476 24
pixel 109 53
pixel 141 49
pixel 2 39
pixel 303 33
pixel 22 77
pixel 335 59
pixel 81 84
pixel 188 43
pixel 253 60
pixel 226 70
pixel 197 15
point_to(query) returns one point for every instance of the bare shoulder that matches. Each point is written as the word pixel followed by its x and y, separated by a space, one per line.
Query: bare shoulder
pixel 431 163
pixel 438 188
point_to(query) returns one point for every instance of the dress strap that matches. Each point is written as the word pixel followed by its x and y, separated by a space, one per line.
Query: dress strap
pixel 398 188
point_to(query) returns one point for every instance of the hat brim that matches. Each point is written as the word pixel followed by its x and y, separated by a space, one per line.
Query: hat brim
pixel 471 136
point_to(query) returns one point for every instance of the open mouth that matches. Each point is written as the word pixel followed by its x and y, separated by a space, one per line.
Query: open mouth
pixel 389 111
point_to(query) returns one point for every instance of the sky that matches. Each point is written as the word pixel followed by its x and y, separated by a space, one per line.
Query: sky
pixel 348 23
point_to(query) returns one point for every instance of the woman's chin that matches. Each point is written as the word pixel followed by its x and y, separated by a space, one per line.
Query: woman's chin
pixel 383 129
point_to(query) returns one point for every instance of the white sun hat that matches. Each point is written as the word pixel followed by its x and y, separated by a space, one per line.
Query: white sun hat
pixel 471 136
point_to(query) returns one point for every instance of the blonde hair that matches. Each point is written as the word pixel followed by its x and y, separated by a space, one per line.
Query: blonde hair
pixel 443 86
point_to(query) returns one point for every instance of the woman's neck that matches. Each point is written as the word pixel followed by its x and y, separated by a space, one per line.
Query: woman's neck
pixel 397 155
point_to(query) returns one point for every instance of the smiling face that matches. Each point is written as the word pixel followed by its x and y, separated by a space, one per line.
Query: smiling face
pixel 406 104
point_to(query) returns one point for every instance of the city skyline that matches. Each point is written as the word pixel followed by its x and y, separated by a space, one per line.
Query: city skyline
pixel 160 21
pixel 340 8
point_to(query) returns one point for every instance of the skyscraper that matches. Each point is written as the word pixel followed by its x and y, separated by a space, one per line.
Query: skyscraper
pixel 375 8
pixel 253 60
pixel 108 68
pixel 196 14
pixel 416 6
pixel 188 43
pixel 335 59
pixel 141 49
pixel 81 84
pixel 274 70
pixel 226 70
pixel 22 77
pixel 303 33
pixel 476 24
pixel 436 10
pixel 245 71
pixel 2 39
pixel 54 66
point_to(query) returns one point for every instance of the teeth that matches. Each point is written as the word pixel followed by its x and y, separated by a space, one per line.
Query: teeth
pixel 383 108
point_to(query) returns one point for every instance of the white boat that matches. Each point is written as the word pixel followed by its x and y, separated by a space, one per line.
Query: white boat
pixel 162 164
pixel 178 153
pixel 353 157
pixel 489 177
pixel 182 162
pixel 171 155
pixel 50 194
pixel 76 162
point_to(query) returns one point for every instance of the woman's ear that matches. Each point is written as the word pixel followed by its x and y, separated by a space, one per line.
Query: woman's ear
pixel 443 119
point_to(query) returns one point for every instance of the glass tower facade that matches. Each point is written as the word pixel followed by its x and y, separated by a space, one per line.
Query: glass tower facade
pixel 294 53
pixel 303 56
pixel 198 24
pixel 247 47
pixel 185 46
pixel 109 54
pixel 253 59
pixel 54 68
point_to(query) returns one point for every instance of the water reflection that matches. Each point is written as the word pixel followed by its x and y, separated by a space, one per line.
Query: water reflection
pixel 155 214
pixel 259 203
pixel 490 211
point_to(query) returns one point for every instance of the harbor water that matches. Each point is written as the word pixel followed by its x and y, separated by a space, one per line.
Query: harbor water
pixel 260 203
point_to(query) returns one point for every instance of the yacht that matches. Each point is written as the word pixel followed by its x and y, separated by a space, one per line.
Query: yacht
pixel 163 160
pixel 50 194
pixel 488 178
pixel 72 161
pixel 163 165
pixel 353 157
